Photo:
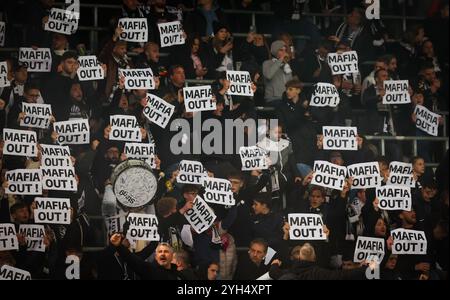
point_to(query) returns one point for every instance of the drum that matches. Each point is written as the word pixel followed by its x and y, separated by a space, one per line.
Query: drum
pixel 134 184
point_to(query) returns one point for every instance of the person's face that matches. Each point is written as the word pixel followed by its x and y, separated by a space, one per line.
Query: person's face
pixel 120 51
pixel 428 49
pixel 32 95
pixel 337 160
pixel 112 155
pixel 282 53
pixel 382 77
pixel 380 228
pixel 195 46
pixel 259 208
pixel 392 262
pixel 349 265
pixel 123 103
pixel 277 133
pixel 76 92
pixel 152 53
pixel 439 233
pixel 131 4
pixel 429 75
pixel 140 94
pixel 292 93
pixel 420 35
pixel 236 185
pixel 178 77
pixel 259 40
pixel 379 65
pixel 59 42
pixel 22 215
pixel 362 196
pixel 190 196
pixel 419 167
pixel 257 253
pixel 164 256
pixel 21 75
pixel 222 34
pixel 354 18
pixel 213 272
pixel 316 199
pixel 409 217
pixel 323 52
pixel 70 65
pixel 393 65
pixel 205 2
pixel 428 194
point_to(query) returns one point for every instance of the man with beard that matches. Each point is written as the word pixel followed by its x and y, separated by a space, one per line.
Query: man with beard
pixel 107 158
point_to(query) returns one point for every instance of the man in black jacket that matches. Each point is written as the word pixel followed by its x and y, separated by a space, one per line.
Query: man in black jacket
pixel 252 266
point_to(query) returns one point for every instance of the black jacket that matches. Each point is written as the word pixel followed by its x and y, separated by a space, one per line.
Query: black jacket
pixel 196 23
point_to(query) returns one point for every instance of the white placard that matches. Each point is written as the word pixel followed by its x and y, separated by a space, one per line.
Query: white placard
pixel 394 197
pixel 74 132
pixel 134 30
pixel 8 237
pixel 13 274
pixel 171 34
pixel 20 143
pixel 329 175
pixel 325 95
pixel 138 79
pixel 142 227
pixel 34 237
pixel 218 191
pixel 62 21
pixel 201 216
pixel 158 111
pixel 52 211
pixel 397 92
pixel 36 115
pixel 409 242
pixel 344 63
pixel 125 128
pixel 306 227
pixel 199 98
pixel 401 174
pixel 139 151
pixel 365 175
pixel 55 150
pixel 191 172
pixel 24 182
pixel 427 121
pixel 39 60
pixel 240 83
pixel 90 68
pixel 48 162
pixel 367 247
pixel 253 158
pixel 4 82
pixel 340 138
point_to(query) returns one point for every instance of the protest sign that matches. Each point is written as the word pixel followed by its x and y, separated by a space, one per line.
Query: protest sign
pixel 367 247
pixel 397 92
pixel 394 197
pixel 4 82
pixel 125 128
pixel 340 138
pixel 427 121
pixel 171 34
pixel 191 172
pixel 139 151
pixel 48 162
pixel 134 30
pixel 365 175
pixel 218 191
pixel 36 115
pixel 409 242
pixel 55 150
pixel 306 227
pixel 201 216
pixel 52 211
pixel 24 182
pixel 13 274
pixel 59 179
pixel 329 175
pixel 142 227
pixel 8 237
pixel 62 21
pixel 39 60
pixel 253 158
pixel 158 111
pixel 2 34
pixel 199 98
pixel 325 95
pixel 74 132
pixel 138 79
pixel 401 174
pixel 20 143
pixel 240 83
pixel 90 68
pixel 34 237
pixel 343 63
